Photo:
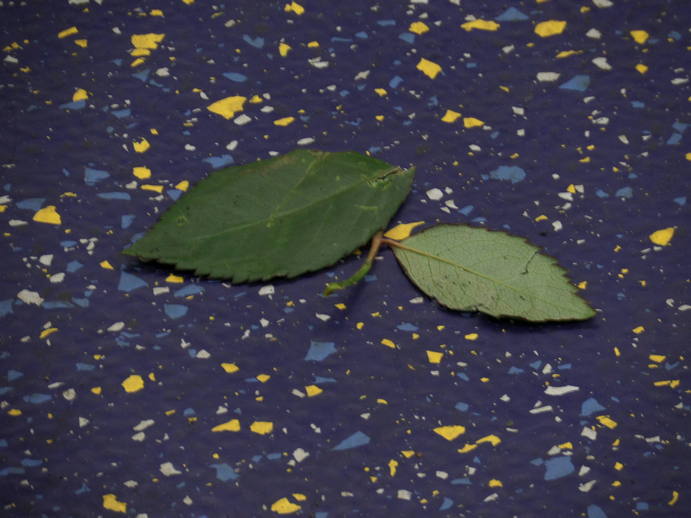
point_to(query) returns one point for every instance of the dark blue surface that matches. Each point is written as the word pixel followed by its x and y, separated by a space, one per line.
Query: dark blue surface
pixel 114 374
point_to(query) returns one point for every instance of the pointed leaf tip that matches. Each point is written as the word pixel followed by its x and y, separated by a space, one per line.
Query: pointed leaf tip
pixel 474 269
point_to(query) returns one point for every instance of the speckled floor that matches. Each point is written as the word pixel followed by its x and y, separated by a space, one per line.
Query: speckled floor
pixel 128 388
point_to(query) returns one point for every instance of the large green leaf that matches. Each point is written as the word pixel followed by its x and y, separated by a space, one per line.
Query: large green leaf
pixel 473 269
pixel 283 216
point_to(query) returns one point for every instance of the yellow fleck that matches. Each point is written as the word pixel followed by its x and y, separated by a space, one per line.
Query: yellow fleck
pixel 408 453
pixel 229 426
pixel 141 145
pixel 675 498
pixel 299 497
pixel 566 446
pixel 313 44
pixel 658 358
pixel 418 28
pixel 618 466
pixel 151 376
pixel 48 215
pixel 616 483
pixel 155 12
pixel 482 25
pixel 48 332
pixel 393 464
pixel 541 217
pixel 262 427
pixel 663 236
pixel 484 380
pixel 294 7
pixel 106 265
pixel 340 306
pixel 14 412
pixel 183 185
pixel 379 117
pixel 688 156
pixel 495 483
pixel 492 439
pixel 381 92
pixel 567 53
pixel 284 121
pixel 429 68
pixel 96 390
pixel 313 390
pixel 388 343
pixel 550 28
pixel 360 325
pixel 402 231
pixel 3 208
pixel 230 367
pixel 68 32
pixel 639 36
pixel 263 378
pixel 141 172
pixel 153 131
pixel 136 53
pixel 146 41
pixel 471 336
pixel 227 107
pixel 137 62
pixel 155 188
pixel 79 95
pixel 450 432
pixel 582 285
pixel 607 421
pixel 133 383
pixel 284 506
pixel 450 116
pixel 638 330
pixel 642 69
pixel 617 352
pixel 283 49
pixel 471 122
pixel 467 448
pixel 434 356
pixel 111 502
pixel 175 278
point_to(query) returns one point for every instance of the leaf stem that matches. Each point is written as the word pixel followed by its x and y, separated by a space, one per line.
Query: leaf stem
pixel 362 271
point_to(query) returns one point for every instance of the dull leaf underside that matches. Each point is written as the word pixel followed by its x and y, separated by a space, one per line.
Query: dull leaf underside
pixel 284 216
pixel 473 269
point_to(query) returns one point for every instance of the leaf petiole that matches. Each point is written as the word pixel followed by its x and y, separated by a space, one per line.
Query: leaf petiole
pixel 377 240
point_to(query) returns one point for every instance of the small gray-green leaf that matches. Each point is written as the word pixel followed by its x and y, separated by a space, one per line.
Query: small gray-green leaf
pixel 284 216
pixel 473 269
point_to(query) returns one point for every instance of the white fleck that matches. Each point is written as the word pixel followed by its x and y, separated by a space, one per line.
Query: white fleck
pixel 30 297
pixel 189 147
pixel 554 450
pixel 557 226
pixel 131 484
pixel 404 494
pixel 57 277
pixel 161 290
pixel 46 260
pixel 560 391
pixel 565 196
pixel 305 141
pixel 584 470
pixel 117 326
pixel 601 63
pixel 584 488
pixel 203 354
pixel 601 121
pixel 117 30
pixel 589 433
pixel 163 72
pixel 187 500
pixel 297 393
pixel 362 75
pixel 623 138
pixel 505 398
pixel 11 59
pixel 442 474
pixel 267 290
pixel 594 34
pixel 518 110
pixel 139 436
pixel 508 49
pixel 416 300
pixel 323 317
pixel 17 223
pixel 169 470
pixel 299 454
pixel 679 81
pixel 435 194
pixel 451 204
pixel 242 119
pixel 83 421
pixel 365 415
pixel 542 409
pixel 143 425
pixel 547 77
pixel 684 307
pixel 69 394
pixel 267 109
pixel 491 498
pixel 318 63
pixel 603 3
pixel 264 322
pixel 232 145
pixel 221 410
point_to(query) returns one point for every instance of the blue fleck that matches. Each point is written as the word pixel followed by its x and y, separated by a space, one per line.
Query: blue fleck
pixel 511 15
pixel 93 176
pixel 5 390
pixel 57 304
pixel 174 194
pixel 224 472
pixel 121 114
pixel 319 351
pixel 11 471
pixel 82 303
pixel 143 75
pixel 321 514
pixel 84 366
pixel 83 489
pixel 126 220
pixel 407 326
pixel 257 42
pixel 31 203
pixel 114 195
pixel 466 210
pixel 577 83
pixel 74 105
pixel 511 173
pixel 188 290
pixel 362 35
pixel 681 200
pixel 320 379
pixel 637 104
pixel 595 512
pixel 73 266
pixel 601 194
pixel 129 282
pixel 465 481
pixel 680 126
pixel 463 376
pixel 5 307
pixel 591 406
pixel 218 161
pixel 515 370
pixel 624 192
pixel 386 23
pixel 395 81
pixel 446 504
pixel 558 467
pixel 674 139
pixel 235 76
pixel 31 463
pixel 38 399
pixel 461 406
pixel 407 37
pixel 14 375
pixel 642 506
pixel 3 443
pixel 354 441
pixel 175 310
